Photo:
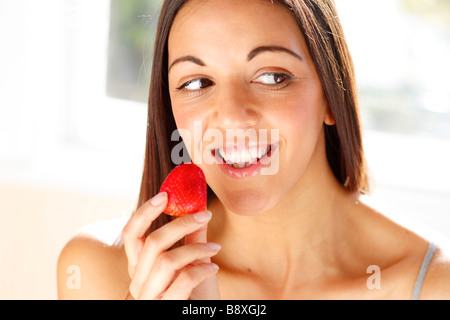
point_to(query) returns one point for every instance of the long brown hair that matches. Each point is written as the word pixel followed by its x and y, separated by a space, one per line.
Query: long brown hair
pixel 325 39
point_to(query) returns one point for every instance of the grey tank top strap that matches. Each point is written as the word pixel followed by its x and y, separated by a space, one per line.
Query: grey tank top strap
pixel 423 270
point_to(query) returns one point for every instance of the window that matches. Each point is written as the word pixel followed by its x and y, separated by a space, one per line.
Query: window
pixel 131 38
pixel 64 122
pixel 400 49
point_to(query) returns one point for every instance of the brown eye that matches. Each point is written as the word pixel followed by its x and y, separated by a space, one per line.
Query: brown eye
pixel 196 84
pixel 272 78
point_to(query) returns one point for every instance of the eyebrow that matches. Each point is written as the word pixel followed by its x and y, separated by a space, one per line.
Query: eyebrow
pixel 187 58
pixel 262 49
pixel 250 56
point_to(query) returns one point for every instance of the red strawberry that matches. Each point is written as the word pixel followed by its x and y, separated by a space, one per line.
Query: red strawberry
pixel 186 190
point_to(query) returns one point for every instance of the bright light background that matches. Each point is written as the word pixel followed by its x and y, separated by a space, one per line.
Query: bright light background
pixel 400 50
pixel 71 154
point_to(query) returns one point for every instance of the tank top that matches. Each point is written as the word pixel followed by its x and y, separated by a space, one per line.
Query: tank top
pixel 423 270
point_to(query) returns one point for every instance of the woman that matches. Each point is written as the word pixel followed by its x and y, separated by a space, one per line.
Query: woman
pixel 281 68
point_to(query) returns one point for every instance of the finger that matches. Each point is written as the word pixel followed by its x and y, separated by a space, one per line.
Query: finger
pixel 189 278
pixel 198 236
pixel 170 262
pixel 209 288
pixel 161 240
pixel 135 229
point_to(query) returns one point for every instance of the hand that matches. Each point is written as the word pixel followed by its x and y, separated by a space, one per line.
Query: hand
pixel 158 272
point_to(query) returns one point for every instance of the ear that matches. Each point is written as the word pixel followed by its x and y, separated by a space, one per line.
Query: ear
pixel 329 118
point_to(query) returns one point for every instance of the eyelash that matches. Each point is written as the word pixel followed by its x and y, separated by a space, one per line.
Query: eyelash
pixel 187 83
pixel 277 86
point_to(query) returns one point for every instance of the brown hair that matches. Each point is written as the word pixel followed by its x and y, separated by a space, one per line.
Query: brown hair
pixel 325 39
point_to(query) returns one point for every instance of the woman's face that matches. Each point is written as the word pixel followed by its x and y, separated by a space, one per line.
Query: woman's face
pixel 242 83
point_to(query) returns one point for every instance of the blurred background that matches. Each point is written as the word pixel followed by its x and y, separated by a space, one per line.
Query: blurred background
pixel 74 77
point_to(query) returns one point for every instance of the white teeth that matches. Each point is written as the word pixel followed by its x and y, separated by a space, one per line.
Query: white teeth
pixel 241 165
pixel 254 153
pixel 244 158
pixel 233 156
pixel 263 151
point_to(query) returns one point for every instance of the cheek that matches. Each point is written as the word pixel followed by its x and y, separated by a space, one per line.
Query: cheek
pixel 185 126
pixel 300 121
pixel 191 127
pixel 301 117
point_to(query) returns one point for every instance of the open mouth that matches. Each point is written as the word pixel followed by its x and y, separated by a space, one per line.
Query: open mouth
pixel 240 159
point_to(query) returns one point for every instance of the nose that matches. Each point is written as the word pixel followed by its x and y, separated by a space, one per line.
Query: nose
pixel 235 108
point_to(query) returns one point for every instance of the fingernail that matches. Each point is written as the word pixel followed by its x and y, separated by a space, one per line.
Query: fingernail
pixel 202 216
pixel 213 266
pixel 158 199
pixel 213 246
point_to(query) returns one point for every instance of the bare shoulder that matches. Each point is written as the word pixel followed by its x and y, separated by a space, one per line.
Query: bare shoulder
pixel 90 268
pixel 398 247
pixel 437 281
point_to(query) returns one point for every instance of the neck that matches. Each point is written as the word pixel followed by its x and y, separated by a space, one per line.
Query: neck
pixel 298 234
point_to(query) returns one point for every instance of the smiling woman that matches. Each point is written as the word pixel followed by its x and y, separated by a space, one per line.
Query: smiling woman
pixel 257 66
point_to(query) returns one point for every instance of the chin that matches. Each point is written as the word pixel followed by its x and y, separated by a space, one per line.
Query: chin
pixel 248 203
